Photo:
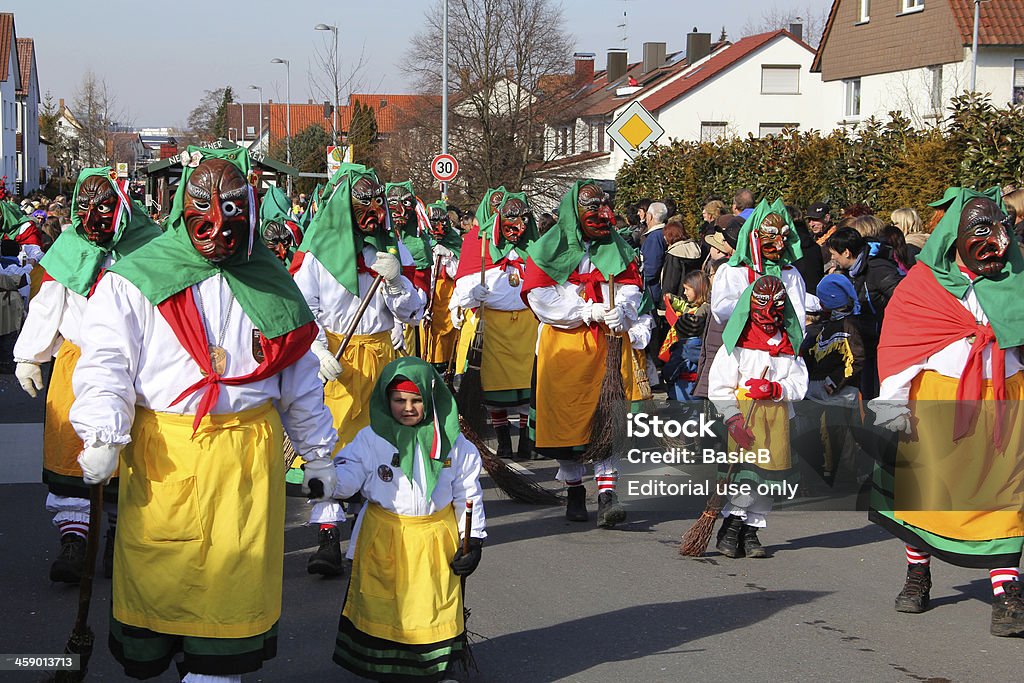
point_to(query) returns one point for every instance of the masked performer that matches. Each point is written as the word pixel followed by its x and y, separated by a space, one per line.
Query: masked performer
pixel 952 388
pixel 403 618
pixel 408 216
pixel 281 233
pixel 345 248
pixel 22 229
pixel 499 242
pixel 439 335
pixel 758 361
pixel 567 288
pixel 195 351
pixel 106 226
pixel 767 245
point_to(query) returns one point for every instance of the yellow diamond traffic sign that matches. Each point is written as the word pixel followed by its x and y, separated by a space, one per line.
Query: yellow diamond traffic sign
pixel 634 130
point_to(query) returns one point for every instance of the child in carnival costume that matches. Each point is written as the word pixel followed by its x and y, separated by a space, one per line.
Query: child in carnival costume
pixel 403 617
pixel 758 361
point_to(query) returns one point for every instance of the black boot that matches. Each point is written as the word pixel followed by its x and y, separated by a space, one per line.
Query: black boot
pixel 914 597
pixel 609 510
pixel 504 441
pixel 327 558
pixel 750 543
pixel 576 504
pixel 525 451
pixel 729 537
pixel 108 553
pixel 1008 611
pixel 70 563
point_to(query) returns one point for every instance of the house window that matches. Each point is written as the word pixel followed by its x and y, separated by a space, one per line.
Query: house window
pixel 852 88
pixel 780 80
pixel 912 6
pixel 562 146
pixel 935 89
pixel 865 10
pixel 766 129
pixel 249 131
pixel 1018 81
pixel 712 130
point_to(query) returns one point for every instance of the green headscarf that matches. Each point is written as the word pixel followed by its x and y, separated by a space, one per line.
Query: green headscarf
pixel 531 235
pixel 738 322
pixel 438 405
pixel 312 204
pixel 559 251
pixel 744 254
pixel 484 215
pixel 452 240
pixel 417 244
pixel 13 218
pixel 275 206
pixel 75 262
pixel 258 280
pixel 1000 296
pixel 334 239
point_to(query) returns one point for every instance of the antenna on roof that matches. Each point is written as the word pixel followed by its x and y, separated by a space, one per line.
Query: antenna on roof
pixel 625 23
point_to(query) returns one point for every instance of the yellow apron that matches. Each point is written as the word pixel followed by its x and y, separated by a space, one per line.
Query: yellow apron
pixel 769 422
pixel 966 490
pixel 35 281
pixel 61 445
pixel 402 588
pixel 510 340
pixel 200 537
pixel 348 397
pixel 441 340
pixel 570 369
pixel 466 335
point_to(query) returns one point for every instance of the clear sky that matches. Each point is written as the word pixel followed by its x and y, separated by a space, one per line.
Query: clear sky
pixel 158 58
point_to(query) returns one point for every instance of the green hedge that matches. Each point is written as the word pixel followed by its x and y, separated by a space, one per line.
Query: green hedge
pixel 887 165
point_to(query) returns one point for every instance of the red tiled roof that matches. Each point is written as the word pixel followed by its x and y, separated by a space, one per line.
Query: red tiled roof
pixel 303 116
pixel 719 62
pixel 1000 21
pixel 388 108
pixel 6 33
pixel 26 54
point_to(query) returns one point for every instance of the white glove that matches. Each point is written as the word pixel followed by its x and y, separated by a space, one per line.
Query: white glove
pixel 458 319
pixel 330 368
pixel 322 469
pixel 593 312
pixel 479 293
pixel 398 337
pixel 30 377
pixel 614 319
pixel 900 423
pixel 99 463
pixel 387 266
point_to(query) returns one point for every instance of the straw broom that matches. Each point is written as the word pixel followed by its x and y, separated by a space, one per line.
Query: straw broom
pixel 513 484
pixel 695 541
pixel 611 406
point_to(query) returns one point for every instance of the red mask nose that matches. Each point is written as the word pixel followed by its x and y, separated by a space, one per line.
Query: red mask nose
pixel 607 214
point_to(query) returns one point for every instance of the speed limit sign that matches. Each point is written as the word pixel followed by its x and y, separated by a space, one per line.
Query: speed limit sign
pixel 444 167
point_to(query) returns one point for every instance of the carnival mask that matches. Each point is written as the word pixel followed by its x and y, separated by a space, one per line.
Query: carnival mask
pixel 497 197
pixel 278 238
pixel 216 209
pixel 401 204
pixel 440 223
pixel 97 203
pixel 596 219
pixel 772 234
pixel 983 236
pixel 368 205
pixel 768 304
pixel 512 218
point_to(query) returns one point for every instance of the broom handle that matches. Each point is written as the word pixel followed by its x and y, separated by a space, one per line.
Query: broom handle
pixel 746 421
pixel 428 316
pixel 483 256
pixel 350 332
pixel 469 527
pixel 91 550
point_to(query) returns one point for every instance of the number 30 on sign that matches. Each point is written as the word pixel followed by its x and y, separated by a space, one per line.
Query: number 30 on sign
pixel 444 167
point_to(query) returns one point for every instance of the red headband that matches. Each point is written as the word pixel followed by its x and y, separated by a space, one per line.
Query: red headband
pixel 403 384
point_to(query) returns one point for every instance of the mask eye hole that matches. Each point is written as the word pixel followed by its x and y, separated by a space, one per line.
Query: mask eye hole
pixel 105 208
pixel 201 204
pixel 983 230
pixel 230 209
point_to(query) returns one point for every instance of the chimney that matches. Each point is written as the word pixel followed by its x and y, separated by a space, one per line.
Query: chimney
pixel 654 56
pixel 698 46
pixel 797 29
pixel 584 66
pixel 618 62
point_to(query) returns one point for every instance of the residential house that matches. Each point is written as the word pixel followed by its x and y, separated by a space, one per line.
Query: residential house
pixel 27 140
pixel 10 84
pixel 760 85
pixel 916 55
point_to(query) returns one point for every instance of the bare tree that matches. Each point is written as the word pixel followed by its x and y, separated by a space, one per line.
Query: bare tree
pixel 811 17
pixel 501 52
pixel 98 113
pixel 330 82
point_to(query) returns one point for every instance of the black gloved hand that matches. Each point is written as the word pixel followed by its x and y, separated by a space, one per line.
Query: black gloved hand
pixel 464 565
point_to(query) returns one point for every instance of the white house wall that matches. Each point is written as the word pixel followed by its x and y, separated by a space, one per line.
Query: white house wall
pixel 9 120
pixel 29 110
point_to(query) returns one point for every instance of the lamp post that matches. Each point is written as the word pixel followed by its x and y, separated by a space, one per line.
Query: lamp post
pixel 444 94
pixel 288 116
pixel 259 125
pixel 974 46
pixel 334 75
pixel 241 105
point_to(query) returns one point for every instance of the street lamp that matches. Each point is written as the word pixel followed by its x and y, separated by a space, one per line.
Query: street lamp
pixel 288 115
pixel 334 74
pixel 259 126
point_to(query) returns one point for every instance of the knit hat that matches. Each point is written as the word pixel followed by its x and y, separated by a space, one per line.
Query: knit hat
pixel 836 291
